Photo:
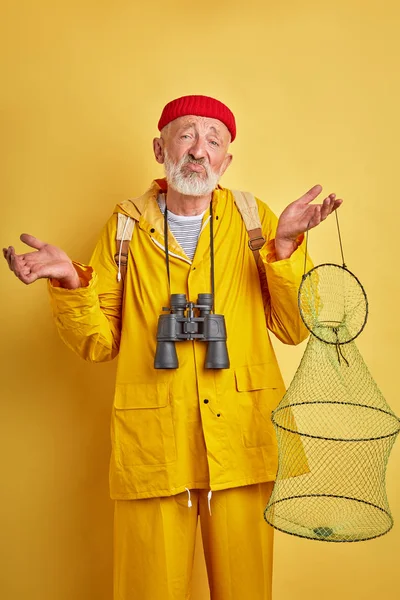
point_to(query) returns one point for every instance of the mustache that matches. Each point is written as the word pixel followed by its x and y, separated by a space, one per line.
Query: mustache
pixel 189 158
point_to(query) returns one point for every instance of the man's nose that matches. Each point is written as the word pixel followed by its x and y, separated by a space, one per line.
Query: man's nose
pixel 197 149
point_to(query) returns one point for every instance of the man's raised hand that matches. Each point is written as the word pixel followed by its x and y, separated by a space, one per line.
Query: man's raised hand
pixel 300 216
pixel 46 262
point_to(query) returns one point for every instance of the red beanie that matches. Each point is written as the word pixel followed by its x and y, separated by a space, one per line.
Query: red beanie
pixel 201 106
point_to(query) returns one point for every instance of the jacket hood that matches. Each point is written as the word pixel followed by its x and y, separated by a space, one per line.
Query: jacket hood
pixel 134 207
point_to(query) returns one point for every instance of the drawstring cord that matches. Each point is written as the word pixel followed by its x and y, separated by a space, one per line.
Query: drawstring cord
pixel 119 276
pixel 189 499
pixel 190 504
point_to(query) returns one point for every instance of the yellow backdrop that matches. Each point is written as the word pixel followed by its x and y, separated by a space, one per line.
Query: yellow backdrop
pixel 315 88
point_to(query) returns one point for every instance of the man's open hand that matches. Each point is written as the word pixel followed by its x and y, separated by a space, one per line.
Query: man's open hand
pixel 300 216
pixel 45 262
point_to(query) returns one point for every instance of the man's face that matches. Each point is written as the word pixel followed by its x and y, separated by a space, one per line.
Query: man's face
pixel 194 151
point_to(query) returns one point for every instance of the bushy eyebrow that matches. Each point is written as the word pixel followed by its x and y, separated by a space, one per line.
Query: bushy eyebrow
pixel 217 132
pixel 191 124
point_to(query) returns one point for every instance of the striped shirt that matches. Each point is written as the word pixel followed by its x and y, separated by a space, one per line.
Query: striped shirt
pixel 186 230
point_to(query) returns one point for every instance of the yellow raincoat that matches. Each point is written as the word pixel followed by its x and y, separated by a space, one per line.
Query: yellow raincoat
pixel 190 427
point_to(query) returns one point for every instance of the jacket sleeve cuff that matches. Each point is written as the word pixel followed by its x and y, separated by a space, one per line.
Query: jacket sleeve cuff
pixel 293 267
pixel 85 275
pixel 268 253
pixel 68 299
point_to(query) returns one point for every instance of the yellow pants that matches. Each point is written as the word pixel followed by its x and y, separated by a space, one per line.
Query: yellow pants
pixel 155 539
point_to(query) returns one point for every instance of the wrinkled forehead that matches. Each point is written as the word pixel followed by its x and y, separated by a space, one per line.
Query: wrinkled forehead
pixel 201 125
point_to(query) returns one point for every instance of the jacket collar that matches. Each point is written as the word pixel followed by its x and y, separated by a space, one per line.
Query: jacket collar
pixel 135 207
pixel 146 212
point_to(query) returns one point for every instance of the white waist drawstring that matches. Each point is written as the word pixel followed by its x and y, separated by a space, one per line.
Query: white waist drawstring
pixel 189 499
pixel 190 504
pixel 209 501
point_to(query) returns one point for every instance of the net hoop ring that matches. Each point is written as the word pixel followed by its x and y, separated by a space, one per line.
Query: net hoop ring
pixel 301 303
pixel 271 507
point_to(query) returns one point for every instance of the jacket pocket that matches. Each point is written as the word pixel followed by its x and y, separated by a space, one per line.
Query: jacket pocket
pixel 143 429
pixel 259 390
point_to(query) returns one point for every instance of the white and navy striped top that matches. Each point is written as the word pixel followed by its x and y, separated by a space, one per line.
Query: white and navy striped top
pixel 186 230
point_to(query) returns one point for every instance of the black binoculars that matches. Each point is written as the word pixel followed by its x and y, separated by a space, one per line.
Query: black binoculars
pixel 182 324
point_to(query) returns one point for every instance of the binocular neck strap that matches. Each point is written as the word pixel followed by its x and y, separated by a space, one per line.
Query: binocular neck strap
pixel 212 270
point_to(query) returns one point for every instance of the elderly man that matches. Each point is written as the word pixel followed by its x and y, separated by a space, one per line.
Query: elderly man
pixel 189 441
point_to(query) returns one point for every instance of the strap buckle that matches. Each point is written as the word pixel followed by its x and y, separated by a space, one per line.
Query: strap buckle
pixel 256 243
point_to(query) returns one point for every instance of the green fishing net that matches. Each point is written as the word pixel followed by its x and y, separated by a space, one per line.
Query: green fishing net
pixel 334 428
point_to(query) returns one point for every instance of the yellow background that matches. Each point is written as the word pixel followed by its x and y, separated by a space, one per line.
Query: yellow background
pixel 315 89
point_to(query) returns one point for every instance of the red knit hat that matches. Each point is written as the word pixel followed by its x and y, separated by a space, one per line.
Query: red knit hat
pixel 201 106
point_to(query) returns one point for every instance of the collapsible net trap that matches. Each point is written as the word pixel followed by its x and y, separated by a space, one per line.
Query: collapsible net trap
pixel 334 428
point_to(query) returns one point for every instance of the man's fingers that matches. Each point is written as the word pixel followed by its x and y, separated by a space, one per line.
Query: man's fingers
pixel 22 270
pixel 336 204
pixel 10 250
pixel 27 277
pixel 6 254
pixel 10 257
pixel 18 262
pixel 329 205
pixel 315 217
pixel 311 194
pixel 32 241
pixel 30 258
pixel 319 212
pixel 24 266
pixel 326 207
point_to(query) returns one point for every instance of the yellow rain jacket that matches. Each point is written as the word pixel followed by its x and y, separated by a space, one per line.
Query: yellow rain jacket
pixel 190 427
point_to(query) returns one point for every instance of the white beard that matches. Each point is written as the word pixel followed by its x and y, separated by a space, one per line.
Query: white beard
pixel 190 183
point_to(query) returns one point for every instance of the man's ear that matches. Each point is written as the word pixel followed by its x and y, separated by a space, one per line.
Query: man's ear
pixel 227 161
pixel 158 148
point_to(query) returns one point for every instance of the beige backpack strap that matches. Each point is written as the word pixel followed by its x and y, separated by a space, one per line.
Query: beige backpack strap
pixel 125 227
pixel 248 208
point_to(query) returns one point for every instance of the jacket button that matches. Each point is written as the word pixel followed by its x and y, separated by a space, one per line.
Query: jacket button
pixel 218 415
pixel 205 401
pixel 152 230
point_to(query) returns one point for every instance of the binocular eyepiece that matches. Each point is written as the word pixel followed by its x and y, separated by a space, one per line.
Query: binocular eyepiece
pixel 181 324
